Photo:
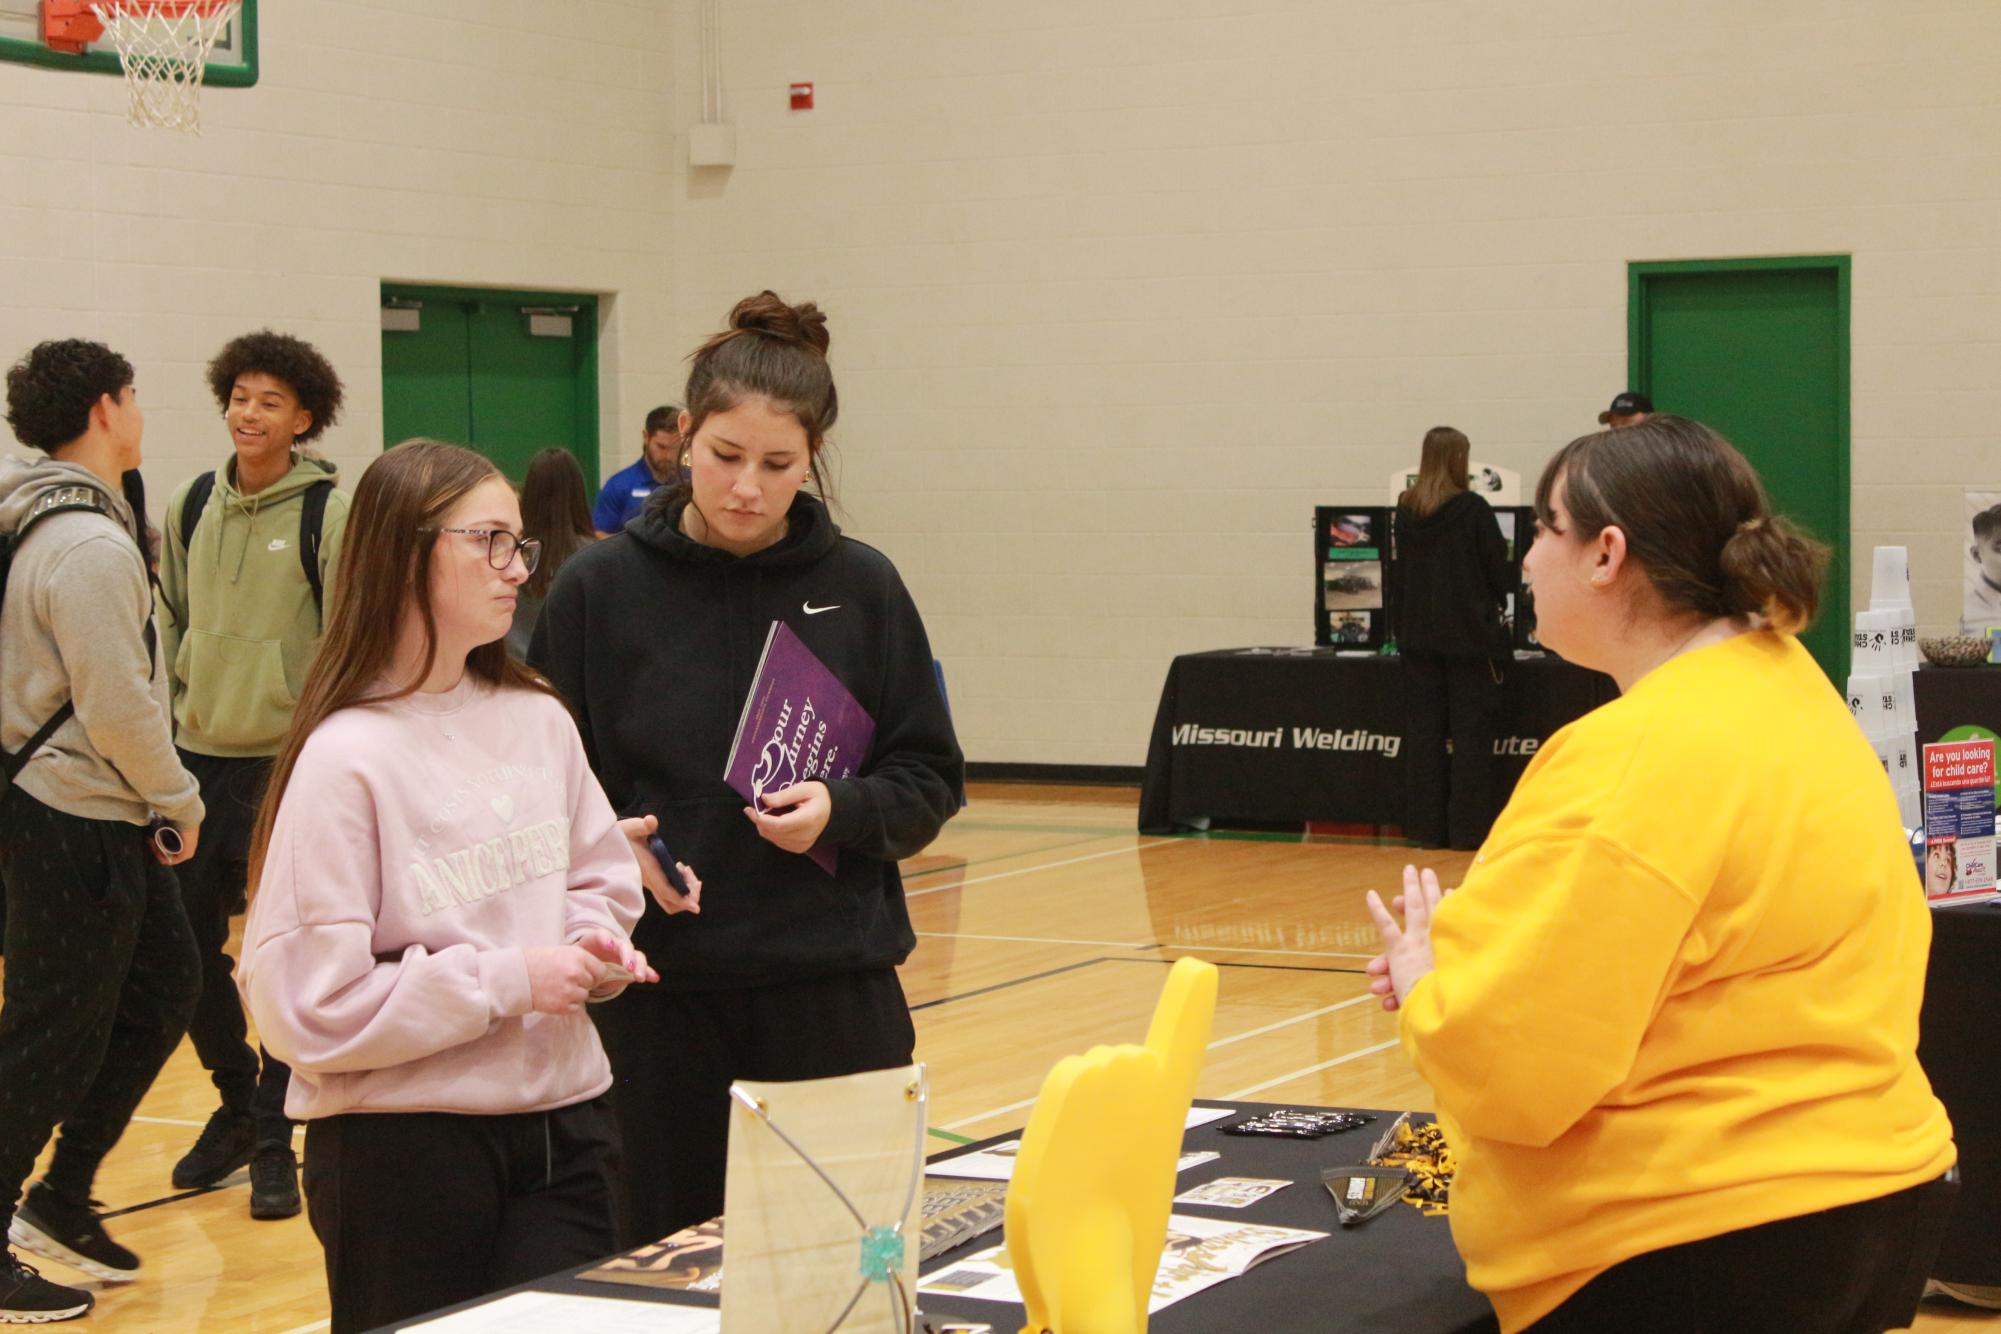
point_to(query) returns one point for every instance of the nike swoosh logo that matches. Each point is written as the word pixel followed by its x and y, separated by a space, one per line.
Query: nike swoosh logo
pixel 812 610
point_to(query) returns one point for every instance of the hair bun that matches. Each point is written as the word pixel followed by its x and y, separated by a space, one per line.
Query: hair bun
pixel 767 313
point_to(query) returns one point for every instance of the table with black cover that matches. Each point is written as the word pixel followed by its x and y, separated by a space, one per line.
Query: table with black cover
pixel 1398 1271
pixel 1958 1047
pixel 1950 697
pixel 1297 735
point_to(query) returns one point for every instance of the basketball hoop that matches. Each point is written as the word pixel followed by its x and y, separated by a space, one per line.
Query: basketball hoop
pixel 163 46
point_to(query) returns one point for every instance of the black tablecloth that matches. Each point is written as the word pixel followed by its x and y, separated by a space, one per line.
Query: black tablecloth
pixel 1949 697
pixel 1396 1272
pixel 1958 1047
pixel 1291 735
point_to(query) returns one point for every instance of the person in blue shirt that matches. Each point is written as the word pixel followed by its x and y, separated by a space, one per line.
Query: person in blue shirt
pixel 625 491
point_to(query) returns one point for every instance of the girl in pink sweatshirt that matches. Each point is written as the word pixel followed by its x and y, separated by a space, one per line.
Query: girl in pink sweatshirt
pixel 439 887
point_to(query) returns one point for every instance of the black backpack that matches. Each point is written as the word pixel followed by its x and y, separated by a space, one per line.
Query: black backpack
pixel 55 501
pixel 312 517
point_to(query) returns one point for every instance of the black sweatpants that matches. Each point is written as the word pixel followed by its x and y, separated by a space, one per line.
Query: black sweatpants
pixel 1459 698
pixel 101 978
pixel 674 1055
pixel 211 884
pixel 418 1210
pixel 1858 1269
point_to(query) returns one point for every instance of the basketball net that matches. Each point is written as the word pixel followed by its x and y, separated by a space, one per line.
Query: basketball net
pixel 163 46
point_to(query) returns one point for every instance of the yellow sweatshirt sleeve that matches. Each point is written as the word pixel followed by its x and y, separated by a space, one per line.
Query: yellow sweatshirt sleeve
pixel 1552 959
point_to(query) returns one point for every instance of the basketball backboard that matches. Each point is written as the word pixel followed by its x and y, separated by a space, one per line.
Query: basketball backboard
pixel 233 64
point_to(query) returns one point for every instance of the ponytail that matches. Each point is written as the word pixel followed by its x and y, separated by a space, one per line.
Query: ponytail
pixel 1773 569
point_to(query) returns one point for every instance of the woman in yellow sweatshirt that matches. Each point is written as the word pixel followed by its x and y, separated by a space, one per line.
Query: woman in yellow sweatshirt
pixel 1671 1014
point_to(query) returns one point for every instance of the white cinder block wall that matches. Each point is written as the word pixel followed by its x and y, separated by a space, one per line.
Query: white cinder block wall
pixel 1119 290
pixel 476 142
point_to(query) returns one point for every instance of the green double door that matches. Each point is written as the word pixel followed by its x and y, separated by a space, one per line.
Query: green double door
pixel 508 373
pixel 1758 349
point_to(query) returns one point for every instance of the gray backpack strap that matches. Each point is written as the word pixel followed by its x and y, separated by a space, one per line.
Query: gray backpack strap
pixel 56 501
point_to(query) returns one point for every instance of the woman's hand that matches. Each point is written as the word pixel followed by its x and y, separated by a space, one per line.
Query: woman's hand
pixel 799 827
pixel 616 950
pixel 561 978
pixel 1406 955
pixel 638 831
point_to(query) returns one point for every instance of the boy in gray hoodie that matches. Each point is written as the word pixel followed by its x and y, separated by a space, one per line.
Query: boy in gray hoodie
pixel 101 970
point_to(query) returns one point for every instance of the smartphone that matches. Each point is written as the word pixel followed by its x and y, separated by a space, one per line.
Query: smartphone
pixel 658 847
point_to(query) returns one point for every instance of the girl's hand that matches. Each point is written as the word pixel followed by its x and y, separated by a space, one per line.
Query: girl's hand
pixel 605 946
pixel 799 827
pixel 638 831
pixel 561 978
pixel 1406 955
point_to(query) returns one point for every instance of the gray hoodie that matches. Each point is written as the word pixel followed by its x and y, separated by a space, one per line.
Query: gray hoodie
pixel 73 627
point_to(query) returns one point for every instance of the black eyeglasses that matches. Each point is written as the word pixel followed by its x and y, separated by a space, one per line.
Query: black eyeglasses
pixel 502 546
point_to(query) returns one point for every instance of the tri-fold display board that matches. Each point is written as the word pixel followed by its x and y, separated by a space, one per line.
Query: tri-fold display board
pixel 1354 557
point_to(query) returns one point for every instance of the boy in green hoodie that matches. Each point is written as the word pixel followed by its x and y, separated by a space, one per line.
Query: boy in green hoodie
pixel 244 593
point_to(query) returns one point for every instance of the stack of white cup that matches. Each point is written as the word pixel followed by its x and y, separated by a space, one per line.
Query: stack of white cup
pixel 1880 694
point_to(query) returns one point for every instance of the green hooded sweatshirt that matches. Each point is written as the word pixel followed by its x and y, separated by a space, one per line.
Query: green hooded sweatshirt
pixel 240 627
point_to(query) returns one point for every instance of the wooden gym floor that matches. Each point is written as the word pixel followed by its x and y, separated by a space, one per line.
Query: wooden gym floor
pixel 1044 924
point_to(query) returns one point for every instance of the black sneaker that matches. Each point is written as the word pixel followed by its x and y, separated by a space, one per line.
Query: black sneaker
pixel 62 1230
pixel 26 1298
pixel 274 1183
pixel 225 1144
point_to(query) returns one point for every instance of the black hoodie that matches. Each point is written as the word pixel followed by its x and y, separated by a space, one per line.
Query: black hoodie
pixel 654 637
pixel 1449 579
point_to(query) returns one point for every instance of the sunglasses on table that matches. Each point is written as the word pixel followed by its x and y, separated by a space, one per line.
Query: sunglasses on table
pixel 502 546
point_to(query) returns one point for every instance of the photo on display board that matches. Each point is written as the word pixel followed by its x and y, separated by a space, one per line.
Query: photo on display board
pixel 1350 627
pixel 1347 531
pixel 1352 585
pixel 1506 519
pixel 1980 608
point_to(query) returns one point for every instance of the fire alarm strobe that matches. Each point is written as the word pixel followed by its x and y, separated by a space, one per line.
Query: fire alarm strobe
pixel 802 97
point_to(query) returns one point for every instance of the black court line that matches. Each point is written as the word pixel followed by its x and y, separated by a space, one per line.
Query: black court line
pixel 1003 986
pixel 164 1199
pixel 971 862
pixel 1279 967
pixel 1118 958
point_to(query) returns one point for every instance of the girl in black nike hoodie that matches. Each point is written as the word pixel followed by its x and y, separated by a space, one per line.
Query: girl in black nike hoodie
pixel 771 968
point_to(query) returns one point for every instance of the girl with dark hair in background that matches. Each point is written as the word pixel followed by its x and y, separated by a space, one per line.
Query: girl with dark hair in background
pixel 1450 581
pixel 776 970
pixel 438 886
pixel 555 511
pixel 1671 1015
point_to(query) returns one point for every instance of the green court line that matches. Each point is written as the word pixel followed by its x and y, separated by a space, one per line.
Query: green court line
pixel 949 1137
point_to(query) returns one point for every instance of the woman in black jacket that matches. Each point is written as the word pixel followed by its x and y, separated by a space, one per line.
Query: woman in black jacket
pixel 771 967
pixel 1451 581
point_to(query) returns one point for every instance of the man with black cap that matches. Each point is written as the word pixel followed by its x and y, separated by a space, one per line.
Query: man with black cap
pixel 1627 409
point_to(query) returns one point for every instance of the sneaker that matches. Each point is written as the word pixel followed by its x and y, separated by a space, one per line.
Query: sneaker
pixel 1971 1294
pixel 26 1298
pixel 69 1233
pixel 274 1183
pixel 225 1144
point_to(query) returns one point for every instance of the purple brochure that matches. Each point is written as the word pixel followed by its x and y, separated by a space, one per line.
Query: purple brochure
pixel 799 723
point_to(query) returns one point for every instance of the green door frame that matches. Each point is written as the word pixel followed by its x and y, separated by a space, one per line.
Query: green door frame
pixel 587 362
pixel 1639 364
